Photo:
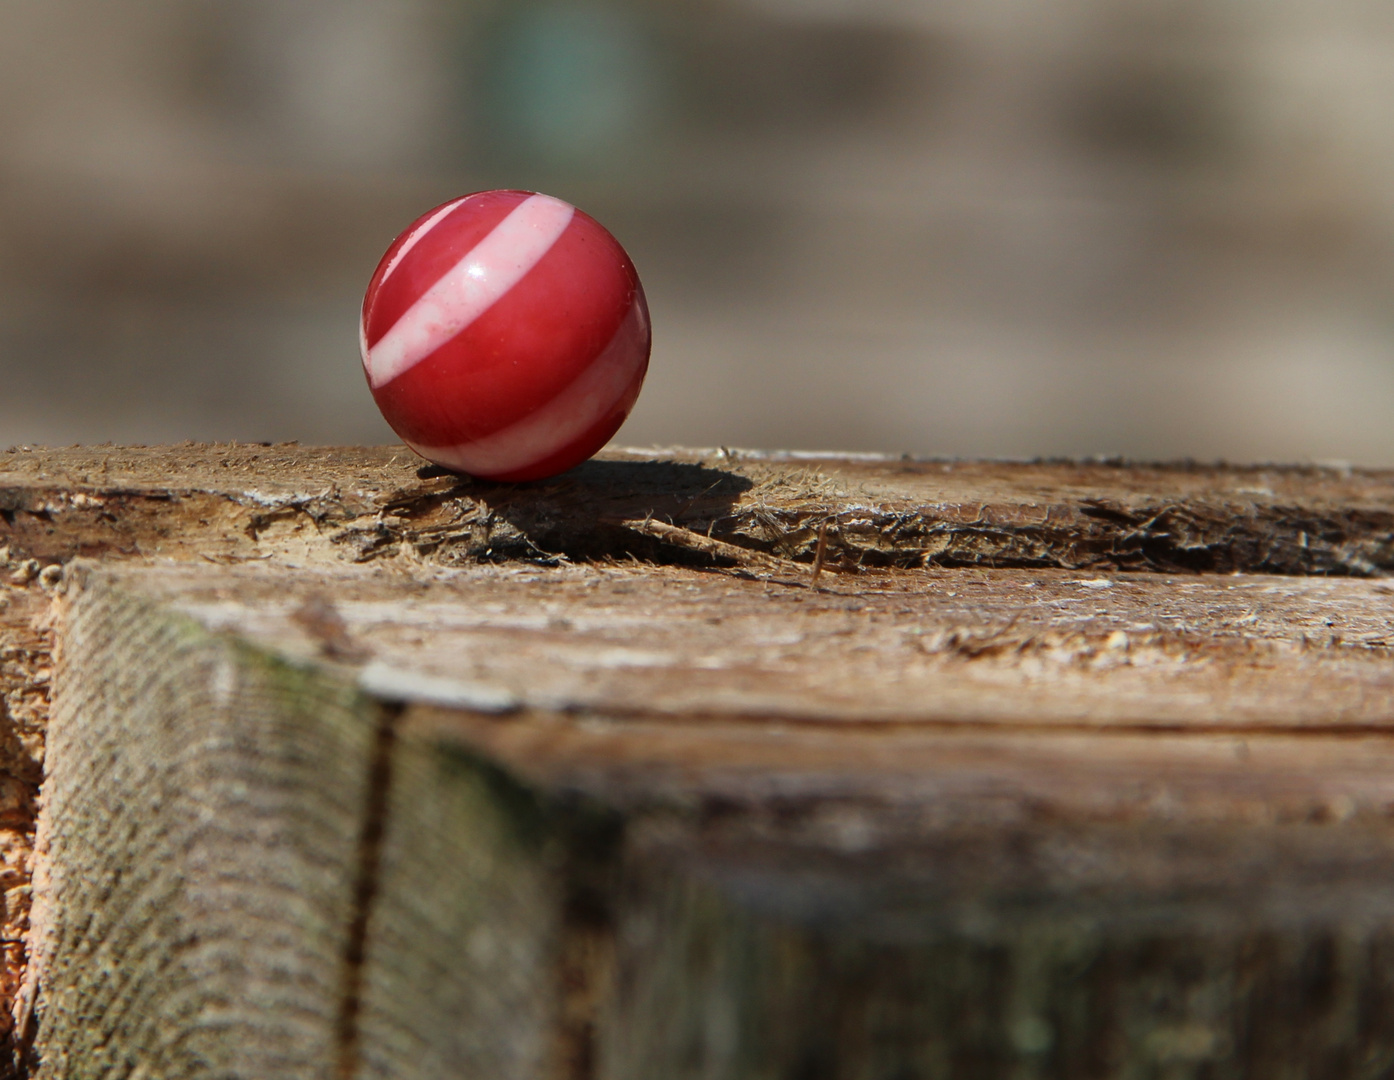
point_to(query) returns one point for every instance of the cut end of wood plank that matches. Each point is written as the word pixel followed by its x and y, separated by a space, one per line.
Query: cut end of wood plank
pixel 199 833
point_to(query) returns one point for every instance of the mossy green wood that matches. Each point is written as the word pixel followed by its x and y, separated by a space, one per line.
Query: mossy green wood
pixel 460 975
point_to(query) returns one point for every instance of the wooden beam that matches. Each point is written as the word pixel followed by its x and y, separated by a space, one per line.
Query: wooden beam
pixel 358 770
pixel 561 866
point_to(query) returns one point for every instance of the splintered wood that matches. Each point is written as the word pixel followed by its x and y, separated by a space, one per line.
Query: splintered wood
pixel 696 764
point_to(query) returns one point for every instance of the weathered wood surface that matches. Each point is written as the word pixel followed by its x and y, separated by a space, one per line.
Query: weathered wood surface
pixel 950 647
pixel 629 686
pixel 562 888
pixel 370 503
pixel 1047 769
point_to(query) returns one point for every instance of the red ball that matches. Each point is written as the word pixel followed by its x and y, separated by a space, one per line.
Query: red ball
pixel 505 335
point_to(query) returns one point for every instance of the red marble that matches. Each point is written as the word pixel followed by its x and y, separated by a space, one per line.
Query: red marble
pixel 505 335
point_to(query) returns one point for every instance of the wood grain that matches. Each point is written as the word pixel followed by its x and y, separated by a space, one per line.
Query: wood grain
pixel 238 501
pixel 568 889
pixel 355 768
pixel 203 808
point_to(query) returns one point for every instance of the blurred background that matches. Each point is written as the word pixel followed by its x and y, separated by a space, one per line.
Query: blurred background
pixel 1156 228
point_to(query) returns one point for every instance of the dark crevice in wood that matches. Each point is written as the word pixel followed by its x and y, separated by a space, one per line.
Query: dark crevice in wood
pixel 495 524
pixel 19 1061
pixel 586 953
pixel 365 889
pixel 1197 539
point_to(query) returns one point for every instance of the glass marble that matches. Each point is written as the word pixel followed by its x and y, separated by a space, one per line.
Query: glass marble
pixel 505 335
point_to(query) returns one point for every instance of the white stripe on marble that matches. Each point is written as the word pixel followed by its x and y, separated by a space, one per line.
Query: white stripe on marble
pixel 416 236
pixel 562 420
pixel 470 287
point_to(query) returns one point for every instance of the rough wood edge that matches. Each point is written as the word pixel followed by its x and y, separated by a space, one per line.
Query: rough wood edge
pixel 187 798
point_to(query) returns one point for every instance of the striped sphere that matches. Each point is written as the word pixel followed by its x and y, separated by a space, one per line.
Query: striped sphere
pixel 505 335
